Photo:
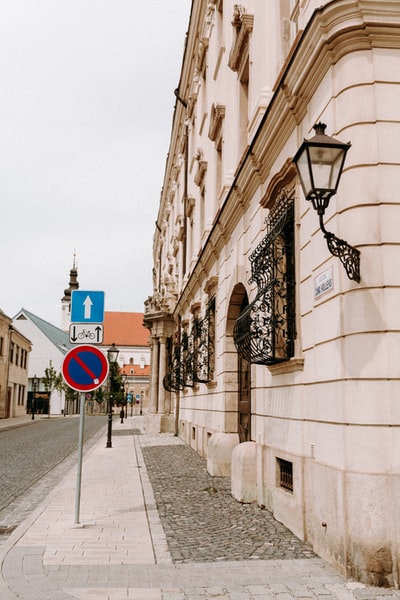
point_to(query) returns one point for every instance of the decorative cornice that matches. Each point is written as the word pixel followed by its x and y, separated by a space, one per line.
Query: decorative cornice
pixel 336 30
pixel 195 308
pixel 216 121
pixel 283 179
pixel 211 285
pixel 243 24
pixel 190 204
pixel 201 56
pixel 201 168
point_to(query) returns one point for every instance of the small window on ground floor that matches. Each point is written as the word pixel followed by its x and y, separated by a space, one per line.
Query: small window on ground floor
pixel 285 474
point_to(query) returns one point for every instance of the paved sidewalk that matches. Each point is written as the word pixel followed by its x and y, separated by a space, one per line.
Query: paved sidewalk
pixel 119 551
pixel 20 421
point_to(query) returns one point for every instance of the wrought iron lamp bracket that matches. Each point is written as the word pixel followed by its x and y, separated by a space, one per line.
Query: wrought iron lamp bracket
pixel 348 255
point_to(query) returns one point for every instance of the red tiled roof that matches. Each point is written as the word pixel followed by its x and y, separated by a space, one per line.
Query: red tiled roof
pixel 125 329
pixel 126 370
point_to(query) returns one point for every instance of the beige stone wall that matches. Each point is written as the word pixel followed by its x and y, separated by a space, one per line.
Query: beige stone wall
pixel 14 357
pixel 5 323
pixel 332 410
pixel 18 374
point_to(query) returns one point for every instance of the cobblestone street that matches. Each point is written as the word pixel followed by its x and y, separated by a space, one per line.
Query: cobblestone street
pixel 201 519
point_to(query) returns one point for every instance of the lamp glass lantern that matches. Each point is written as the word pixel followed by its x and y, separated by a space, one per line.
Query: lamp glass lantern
pixel 319 162
pixel 112 353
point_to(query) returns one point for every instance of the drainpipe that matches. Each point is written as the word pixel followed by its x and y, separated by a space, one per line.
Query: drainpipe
pixel 185 197
pixel 184 237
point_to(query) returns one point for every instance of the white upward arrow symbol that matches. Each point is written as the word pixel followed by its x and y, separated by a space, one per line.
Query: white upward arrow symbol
pixel 88 307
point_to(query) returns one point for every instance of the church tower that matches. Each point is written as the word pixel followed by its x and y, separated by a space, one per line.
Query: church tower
pixel 66 300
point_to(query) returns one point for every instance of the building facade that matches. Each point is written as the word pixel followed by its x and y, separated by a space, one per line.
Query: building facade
pixel 127 332
pixel 14 361
pixel 275 343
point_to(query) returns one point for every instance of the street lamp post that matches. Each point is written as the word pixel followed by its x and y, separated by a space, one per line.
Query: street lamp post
pixel 35 382
pixel 112 355
pixel 124 411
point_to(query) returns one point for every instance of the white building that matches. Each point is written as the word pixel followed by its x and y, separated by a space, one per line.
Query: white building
pixel 49 346
pixel 270 357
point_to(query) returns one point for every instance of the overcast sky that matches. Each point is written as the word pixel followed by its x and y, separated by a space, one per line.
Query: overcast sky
pixel 86 106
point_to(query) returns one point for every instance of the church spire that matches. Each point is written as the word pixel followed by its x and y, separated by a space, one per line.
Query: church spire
pixel 66 299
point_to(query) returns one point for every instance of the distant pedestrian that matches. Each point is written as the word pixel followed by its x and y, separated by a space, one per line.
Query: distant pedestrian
pixel 122 414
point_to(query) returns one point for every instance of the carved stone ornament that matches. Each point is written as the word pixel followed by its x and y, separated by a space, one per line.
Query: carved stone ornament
pixel 243 24
pixel 201 57
pixel 216 120
pixel 201 167
pixel 190 204
pixel 211 286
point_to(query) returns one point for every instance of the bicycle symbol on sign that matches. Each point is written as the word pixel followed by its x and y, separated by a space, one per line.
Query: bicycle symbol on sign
pixel 92 334
pixel 86 334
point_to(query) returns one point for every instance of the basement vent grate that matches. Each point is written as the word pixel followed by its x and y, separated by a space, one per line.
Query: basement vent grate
pixel 285 472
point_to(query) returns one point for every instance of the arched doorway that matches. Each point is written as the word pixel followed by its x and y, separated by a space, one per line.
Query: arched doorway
pixel 239 301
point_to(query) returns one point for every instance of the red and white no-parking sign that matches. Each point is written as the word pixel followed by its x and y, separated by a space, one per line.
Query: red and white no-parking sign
pixel 85 368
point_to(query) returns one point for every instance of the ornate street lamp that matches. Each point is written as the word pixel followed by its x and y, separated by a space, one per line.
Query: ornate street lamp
pixel 124 411
pixel 319 162
pixel 112 355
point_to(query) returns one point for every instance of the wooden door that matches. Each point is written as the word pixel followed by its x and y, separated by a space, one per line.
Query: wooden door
pixel 244 408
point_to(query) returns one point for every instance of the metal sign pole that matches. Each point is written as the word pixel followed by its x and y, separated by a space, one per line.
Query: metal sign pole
pixel 80 452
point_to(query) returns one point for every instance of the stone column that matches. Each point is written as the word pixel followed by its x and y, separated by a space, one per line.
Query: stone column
pixel 161 373
pixel 154 375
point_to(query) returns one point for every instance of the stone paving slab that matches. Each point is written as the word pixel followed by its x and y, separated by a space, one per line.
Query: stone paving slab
pixel 133 538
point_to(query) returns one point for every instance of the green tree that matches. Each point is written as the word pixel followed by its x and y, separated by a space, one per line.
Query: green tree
pixel 99 395
pixel 115 384
pixel 55 381
pixel 52 380
pixel 71 398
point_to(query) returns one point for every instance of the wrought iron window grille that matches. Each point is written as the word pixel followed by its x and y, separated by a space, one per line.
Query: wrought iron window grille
pixel 265 330
pixel 191 360
pixel 173 380
pixel 204 339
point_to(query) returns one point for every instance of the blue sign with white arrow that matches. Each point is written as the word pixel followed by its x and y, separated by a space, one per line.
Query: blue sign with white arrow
pixel 87 307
